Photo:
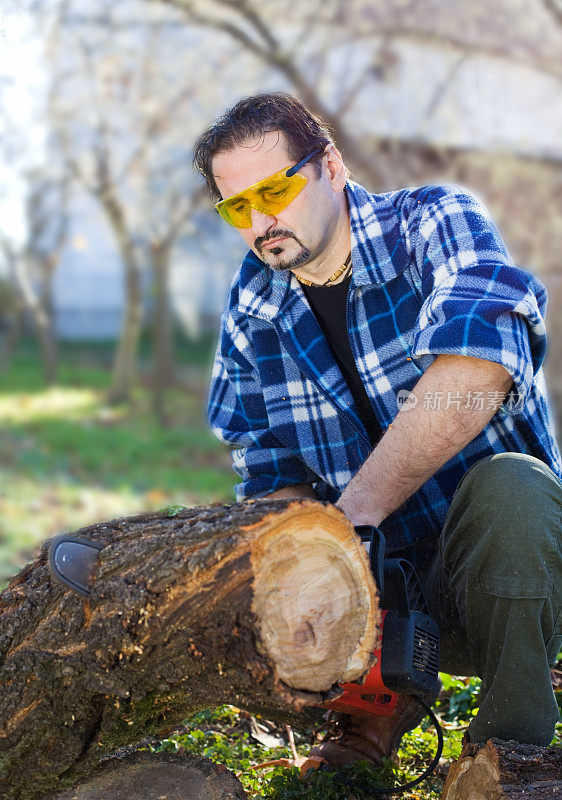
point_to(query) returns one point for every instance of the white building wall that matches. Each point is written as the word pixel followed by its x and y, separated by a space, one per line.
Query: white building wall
pixel 89 282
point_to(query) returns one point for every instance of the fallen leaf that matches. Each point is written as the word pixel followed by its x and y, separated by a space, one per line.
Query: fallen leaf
pixel 303 763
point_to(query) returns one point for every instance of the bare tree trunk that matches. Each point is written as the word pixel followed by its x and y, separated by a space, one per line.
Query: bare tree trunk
pixel 125 362
pixel 163 333
pixel 267 604
pixel 14 330
pixel 49 264
pixel 48 345
pixel 42 321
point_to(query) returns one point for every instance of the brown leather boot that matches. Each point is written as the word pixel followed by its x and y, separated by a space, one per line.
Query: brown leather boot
pixel 368 736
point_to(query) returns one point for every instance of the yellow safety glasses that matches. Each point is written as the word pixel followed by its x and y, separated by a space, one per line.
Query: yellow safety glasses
pixel 270 196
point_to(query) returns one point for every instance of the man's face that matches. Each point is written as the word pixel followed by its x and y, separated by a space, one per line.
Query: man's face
pixel 299 233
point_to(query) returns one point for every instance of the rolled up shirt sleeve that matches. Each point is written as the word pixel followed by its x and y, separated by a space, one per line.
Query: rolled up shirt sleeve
pixel 476 301
pixel 238 417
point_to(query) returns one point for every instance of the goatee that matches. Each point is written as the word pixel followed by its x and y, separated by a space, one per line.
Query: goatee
pixel 300 258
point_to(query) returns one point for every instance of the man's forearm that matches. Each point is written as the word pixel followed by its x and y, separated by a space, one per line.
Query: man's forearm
pixel 421 439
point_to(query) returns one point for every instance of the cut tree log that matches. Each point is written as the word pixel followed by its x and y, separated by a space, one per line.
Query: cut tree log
pixel 146 776
pixel 267 605
pixel 502 770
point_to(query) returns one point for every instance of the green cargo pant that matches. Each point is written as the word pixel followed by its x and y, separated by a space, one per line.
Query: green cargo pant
pixel 495 590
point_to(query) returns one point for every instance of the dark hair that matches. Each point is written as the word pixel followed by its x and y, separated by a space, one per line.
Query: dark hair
pixel 254 116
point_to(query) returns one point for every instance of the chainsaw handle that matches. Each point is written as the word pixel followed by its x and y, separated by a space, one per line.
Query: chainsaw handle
pixel 377 546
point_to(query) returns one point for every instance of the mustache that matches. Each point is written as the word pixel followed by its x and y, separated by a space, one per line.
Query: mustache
pixel 278 234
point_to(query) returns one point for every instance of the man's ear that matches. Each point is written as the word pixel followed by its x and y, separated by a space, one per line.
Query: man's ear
pixel 336 170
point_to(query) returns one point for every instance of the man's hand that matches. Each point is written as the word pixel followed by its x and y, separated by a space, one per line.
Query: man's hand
pixel 421 439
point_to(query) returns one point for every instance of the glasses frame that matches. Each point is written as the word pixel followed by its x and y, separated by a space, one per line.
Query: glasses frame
pixel 289 173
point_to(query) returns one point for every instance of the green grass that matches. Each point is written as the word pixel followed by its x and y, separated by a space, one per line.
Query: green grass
pixel 68 458
pixel 224 735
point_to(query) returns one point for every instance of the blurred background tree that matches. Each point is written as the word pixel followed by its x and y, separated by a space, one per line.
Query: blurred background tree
pixel 130 152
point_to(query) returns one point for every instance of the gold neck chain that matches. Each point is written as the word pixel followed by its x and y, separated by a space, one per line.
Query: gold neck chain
pixel 340 270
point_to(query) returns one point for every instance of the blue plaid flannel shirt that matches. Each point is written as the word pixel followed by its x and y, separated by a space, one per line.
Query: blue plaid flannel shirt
pixel 431 275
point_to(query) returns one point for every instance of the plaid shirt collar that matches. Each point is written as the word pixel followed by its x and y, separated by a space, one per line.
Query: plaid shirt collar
pixel 375 259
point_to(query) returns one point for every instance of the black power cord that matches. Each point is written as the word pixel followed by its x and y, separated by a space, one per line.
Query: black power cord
pixel 435 760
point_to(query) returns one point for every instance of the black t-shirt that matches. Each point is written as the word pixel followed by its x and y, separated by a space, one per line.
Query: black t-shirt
pixel 329 305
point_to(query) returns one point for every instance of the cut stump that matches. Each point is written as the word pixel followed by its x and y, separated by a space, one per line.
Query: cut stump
pixel 502 770
pixel 148 776
pixel 268 605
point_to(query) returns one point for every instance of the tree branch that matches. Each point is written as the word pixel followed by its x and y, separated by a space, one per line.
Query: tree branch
pixel 216 24
pixel 348 97
pixel 555 8
pixel 251 16
pixel 552 67
pixel 443 85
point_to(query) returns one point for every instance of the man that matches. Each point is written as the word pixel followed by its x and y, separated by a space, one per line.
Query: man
pixel 382 351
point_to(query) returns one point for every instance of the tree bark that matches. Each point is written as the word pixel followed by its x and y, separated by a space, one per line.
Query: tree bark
pixel 502 770
pixel 268 605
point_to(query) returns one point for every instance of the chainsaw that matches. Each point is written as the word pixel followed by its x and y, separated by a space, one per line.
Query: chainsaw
pixel 407 660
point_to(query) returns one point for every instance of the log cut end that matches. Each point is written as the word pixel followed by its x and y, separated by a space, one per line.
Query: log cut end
pixel 326 630
pixel 166 776
pixel 501 770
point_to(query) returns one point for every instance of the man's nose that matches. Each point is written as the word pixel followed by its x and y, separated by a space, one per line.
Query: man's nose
pixel 261 222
